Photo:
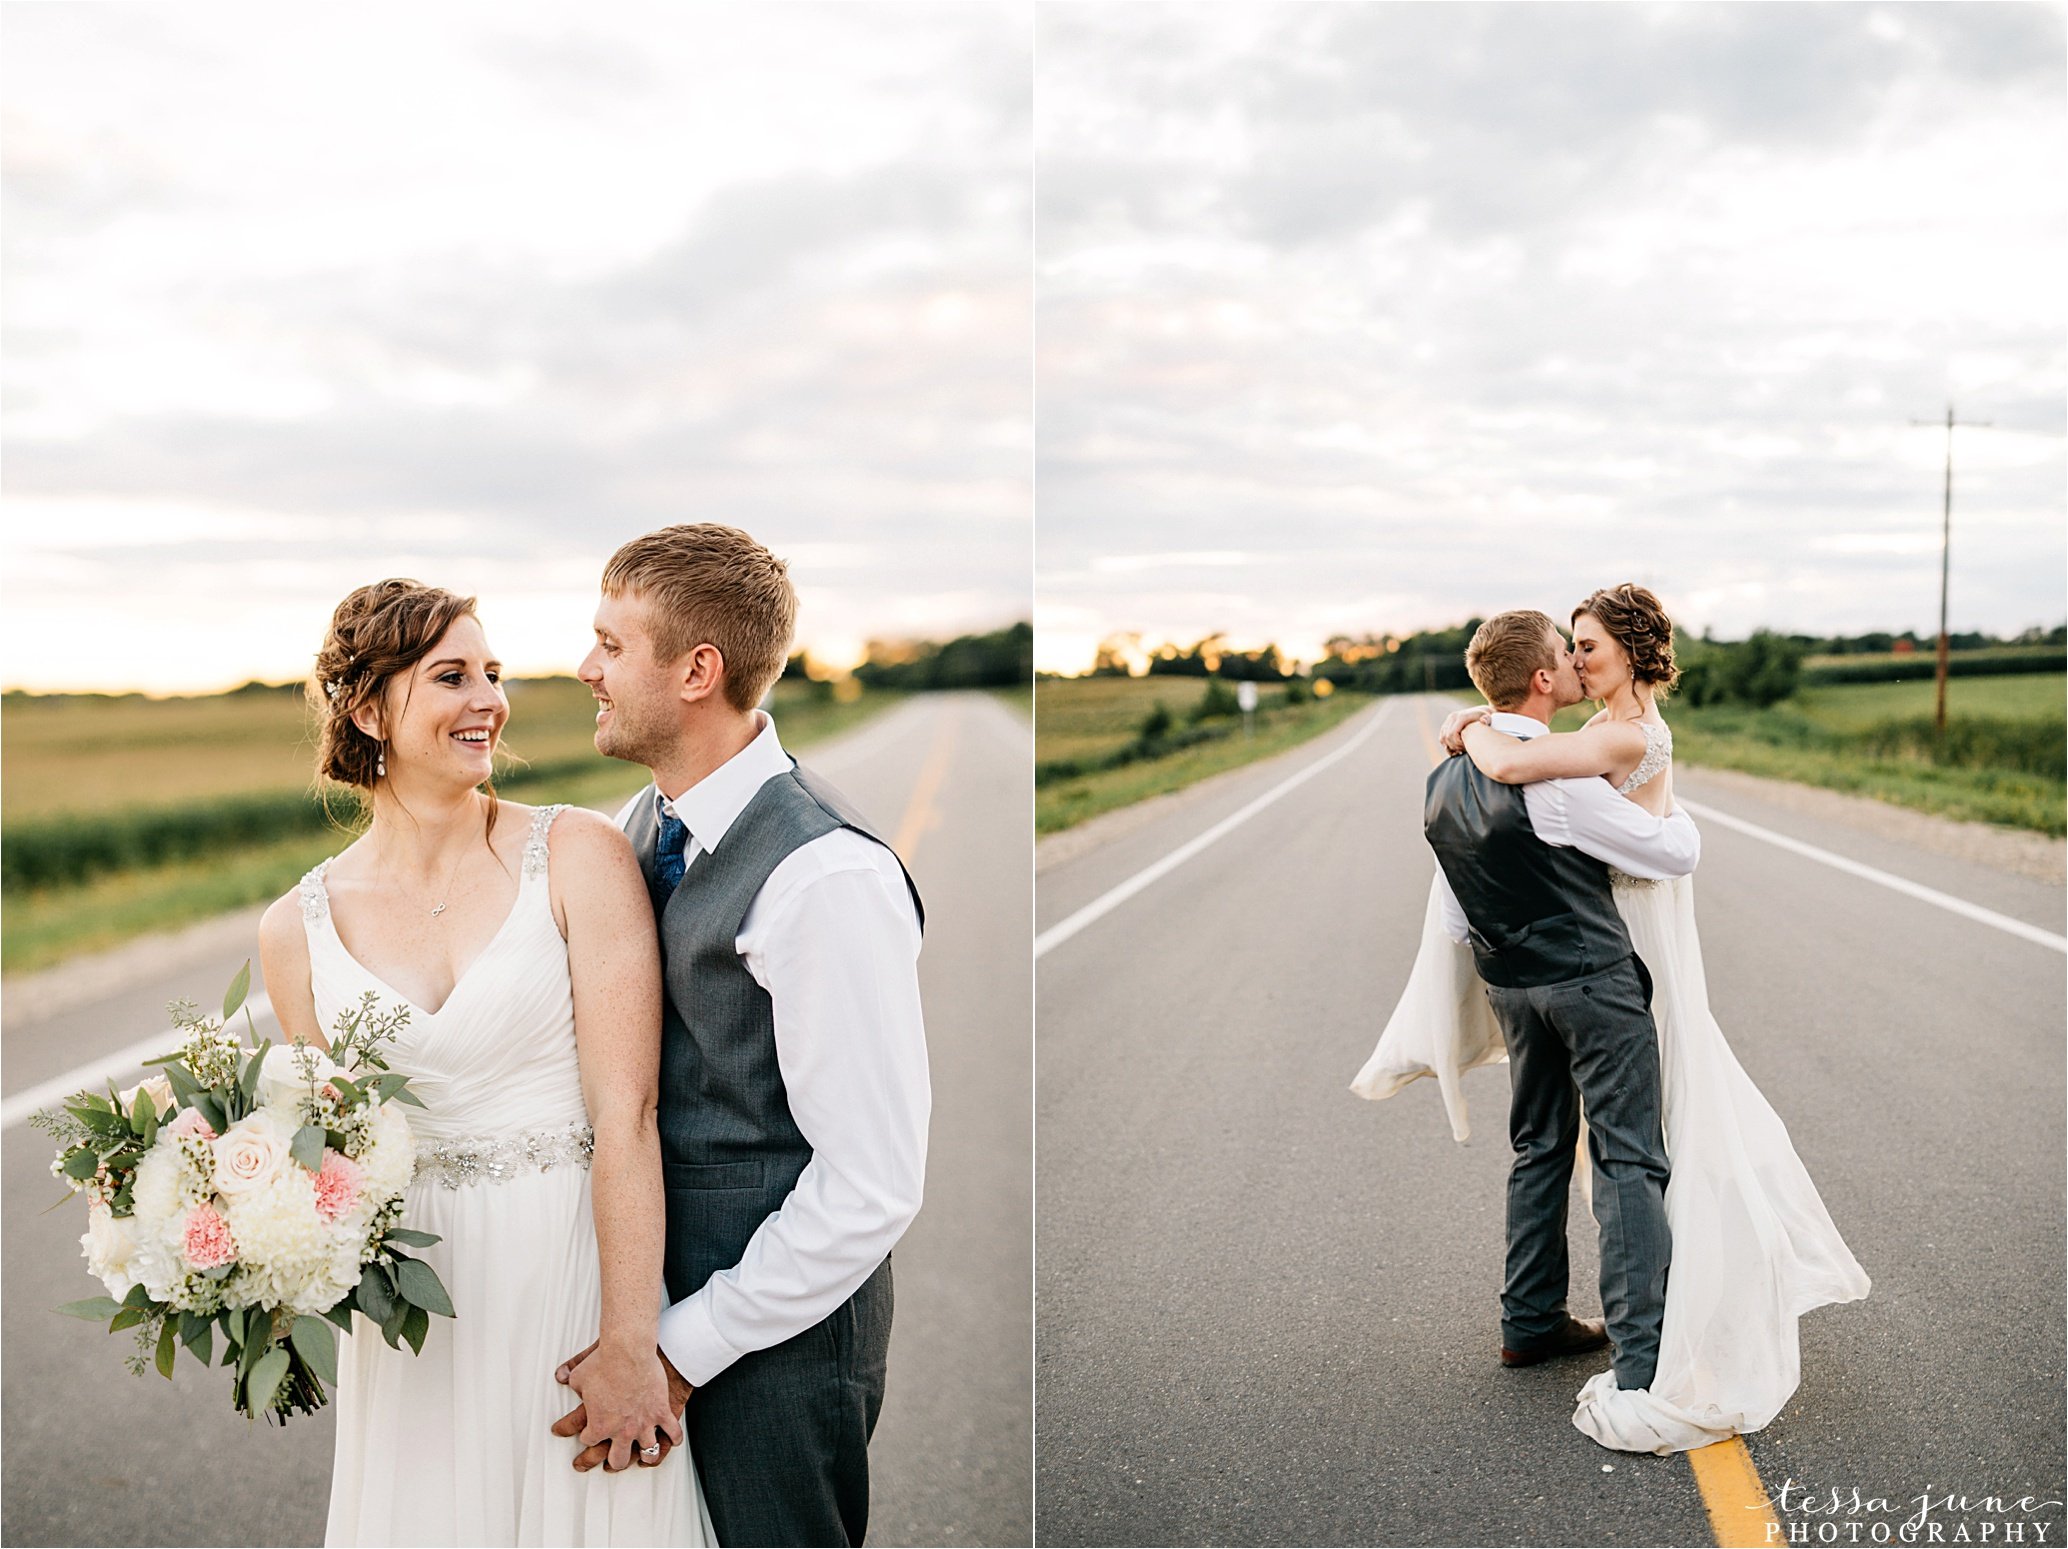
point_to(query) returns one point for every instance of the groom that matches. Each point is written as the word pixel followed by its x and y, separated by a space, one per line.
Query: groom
pixel 793 1090
pixel 1526 873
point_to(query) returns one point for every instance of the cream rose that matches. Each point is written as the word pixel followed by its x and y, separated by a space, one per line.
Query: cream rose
pixel 158 1087
pixel 251 1155
pixel 285 1074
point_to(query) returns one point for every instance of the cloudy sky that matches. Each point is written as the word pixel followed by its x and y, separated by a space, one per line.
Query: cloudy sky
pixel 1373 317
pixel 302 296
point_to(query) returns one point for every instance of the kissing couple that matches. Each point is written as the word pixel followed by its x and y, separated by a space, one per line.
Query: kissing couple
pixel 1560 936
pixel 684 1048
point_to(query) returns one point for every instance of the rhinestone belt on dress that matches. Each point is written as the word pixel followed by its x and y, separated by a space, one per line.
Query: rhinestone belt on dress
pixel 466 1159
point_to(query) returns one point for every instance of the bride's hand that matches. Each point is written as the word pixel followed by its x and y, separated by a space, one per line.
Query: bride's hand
pixel 631 1402
pixel 1452 736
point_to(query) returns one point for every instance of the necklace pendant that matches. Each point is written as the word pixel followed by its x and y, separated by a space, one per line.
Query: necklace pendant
pixel 437 911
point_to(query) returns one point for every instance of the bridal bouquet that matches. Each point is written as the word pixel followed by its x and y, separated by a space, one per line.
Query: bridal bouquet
pixel 256 1192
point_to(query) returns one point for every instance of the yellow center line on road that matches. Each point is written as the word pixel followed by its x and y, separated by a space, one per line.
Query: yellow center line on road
pixel 1741 1514
pixel 920 812
pixel 1429 742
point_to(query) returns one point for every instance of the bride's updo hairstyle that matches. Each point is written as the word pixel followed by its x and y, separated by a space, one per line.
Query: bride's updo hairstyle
pixel 1636 620
pixel 376 632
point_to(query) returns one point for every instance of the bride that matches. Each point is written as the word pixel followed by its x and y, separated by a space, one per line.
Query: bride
pixel 1753 1247
pixel 521 942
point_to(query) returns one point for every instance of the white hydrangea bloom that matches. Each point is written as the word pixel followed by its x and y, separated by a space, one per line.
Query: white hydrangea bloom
pixel 291 1256
pixel 389 1160
pixel 111 1247
pixel 157 1191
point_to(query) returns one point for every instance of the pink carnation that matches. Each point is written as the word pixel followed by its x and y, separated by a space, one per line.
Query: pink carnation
pixel 190 1122
pixel 337 1185
pixel 208 1240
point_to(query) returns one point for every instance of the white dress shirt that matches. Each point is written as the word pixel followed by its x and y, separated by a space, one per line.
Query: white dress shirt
pixel 1589 815
pixel 833 938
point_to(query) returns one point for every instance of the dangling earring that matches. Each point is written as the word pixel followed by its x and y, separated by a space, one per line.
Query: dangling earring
pixel 380 761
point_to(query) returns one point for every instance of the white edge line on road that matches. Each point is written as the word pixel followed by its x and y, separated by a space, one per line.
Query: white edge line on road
pixel 1106 903
pixel 1933 896
pixel 95 1072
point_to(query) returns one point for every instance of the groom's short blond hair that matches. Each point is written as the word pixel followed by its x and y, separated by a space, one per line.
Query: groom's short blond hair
pixel 704 584
pixel 1507 651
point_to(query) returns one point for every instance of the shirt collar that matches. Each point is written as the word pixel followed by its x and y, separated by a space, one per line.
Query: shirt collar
pixel 1518 725
pixel 712 805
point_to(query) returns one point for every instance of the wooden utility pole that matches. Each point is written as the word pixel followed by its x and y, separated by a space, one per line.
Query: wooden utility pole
pixel 1946 557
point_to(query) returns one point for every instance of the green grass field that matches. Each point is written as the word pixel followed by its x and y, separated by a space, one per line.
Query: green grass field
pixel 108 764
pixel 1090 718
pixel 2002 761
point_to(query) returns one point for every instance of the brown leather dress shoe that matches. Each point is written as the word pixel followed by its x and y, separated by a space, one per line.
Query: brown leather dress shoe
pixel 1577 1337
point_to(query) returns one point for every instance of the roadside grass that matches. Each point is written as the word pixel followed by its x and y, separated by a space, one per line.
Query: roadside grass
pixel 1019 699
pixel 42 925
pixel 2002 761
pixel 1088 718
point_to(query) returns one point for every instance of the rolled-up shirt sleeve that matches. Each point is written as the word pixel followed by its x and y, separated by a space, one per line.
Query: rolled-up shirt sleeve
pixel 837 953
pixel 1591 817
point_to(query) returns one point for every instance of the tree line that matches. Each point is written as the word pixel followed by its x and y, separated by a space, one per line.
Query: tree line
pixel 1762 669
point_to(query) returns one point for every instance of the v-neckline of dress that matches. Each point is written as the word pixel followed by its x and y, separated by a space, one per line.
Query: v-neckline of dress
pixel 330 919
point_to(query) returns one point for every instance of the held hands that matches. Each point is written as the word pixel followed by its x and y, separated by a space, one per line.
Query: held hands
pixel 630 1403
pixel 1452 736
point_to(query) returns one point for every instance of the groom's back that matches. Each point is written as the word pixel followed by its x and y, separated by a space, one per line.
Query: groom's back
pixel 1540 913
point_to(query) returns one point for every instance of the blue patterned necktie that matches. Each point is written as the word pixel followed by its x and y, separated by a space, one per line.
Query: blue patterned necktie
pixel 668 859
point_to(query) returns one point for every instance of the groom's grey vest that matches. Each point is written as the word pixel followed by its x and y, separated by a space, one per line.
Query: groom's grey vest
pixel 1540 913
pixel 730 1150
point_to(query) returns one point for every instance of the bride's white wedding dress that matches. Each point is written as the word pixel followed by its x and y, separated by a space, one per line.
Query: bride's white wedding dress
pixel 1753 1246
pixel 454 1446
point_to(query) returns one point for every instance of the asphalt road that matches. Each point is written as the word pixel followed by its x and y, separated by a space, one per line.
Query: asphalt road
pixel 96 1456
pixel 1268 1310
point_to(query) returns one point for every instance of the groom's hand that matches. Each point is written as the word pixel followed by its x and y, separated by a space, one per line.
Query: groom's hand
pixel 576 1420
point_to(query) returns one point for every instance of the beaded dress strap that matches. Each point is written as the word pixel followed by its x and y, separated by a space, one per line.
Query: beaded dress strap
pixel 315 897
pixel 1658 753
pixel 535 852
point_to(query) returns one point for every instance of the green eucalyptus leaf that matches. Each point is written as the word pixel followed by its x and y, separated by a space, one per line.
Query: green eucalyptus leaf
pixel 210 1108
pixel 260 1340
pixel 239 988
pixel 391 1329
pixel 93 1309
pixel 128 1317
pixel 307 1147
pixel 100 1120
pixel 264 1381
pixel 137 1297
pixel 184 1086
pixel 415 1327
pixel 376 1295
pixel 412 1237
pixel 82 1165
pixel 341 1315
pixel 316 1343
pixel 248 1085
pixel 419 1283
pixel 168 1348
